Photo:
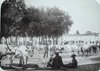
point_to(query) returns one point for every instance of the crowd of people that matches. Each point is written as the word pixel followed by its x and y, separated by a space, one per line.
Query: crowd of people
pixel 24 51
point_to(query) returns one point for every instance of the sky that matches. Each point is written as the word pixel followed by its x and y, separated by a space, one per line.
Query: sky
pixel 84 13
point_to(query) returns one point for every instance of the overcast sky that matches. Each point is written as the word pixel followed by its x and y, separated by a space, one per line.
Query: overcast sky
pixel 84 13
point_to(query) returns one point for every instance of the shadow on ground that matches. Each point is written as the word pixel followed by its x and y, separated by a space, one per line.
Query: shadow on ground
pixel 32 67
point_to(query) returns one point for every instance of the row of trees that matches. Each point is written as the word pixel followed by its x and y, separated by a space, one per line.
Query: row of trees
pixel 17 20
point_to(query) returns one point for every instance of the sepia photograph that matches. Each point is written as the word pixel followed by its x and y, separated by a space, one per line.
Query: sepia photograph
pixel 50 35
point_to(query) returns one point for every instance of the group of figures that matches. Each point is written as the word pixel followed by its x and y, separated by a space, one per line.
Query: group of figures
pixel 23 52
pixel 15 51
pixel 90 50
pixel 57 63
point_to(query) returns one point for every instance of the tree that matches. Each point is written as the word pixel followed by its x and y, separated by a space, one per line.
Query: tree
pixel 50 22
pixel 17 20
pixel 12 12
pixel 58 21
pixel 77 32
pixel 88 32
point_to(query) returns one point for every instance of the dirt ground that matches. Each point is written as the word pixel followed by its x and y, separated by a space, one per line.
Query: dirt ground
pixel 90 63
pixel 90 67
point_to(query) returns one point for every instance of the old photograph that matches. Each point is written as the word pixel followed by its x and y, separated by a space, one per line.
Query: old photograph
pixel 50 35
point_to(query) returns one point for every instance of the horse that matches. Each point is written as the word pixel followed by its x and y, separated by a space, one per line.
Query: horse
pixel 22 53
pixel 94 48
pixel 89 49
pixel 84 50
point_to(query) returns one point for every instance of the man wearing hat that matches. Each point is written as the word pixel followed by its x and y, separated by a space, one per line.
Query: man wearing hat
pixel 74 62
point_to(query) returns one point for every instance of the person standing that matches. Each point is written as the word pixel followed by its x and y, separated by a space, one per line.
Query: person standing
pixel 46 49
pixel 82 51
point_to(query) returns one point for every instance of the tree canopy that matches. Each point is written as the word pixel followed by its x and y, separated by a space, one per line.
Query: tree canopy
pixel 16 19
pixel 12 11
